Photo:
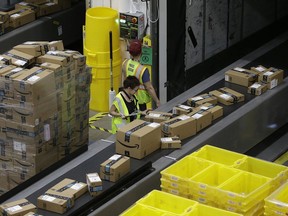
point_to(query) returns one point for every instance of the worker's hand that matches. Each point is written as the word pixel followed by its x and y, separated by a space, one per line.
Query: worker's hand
pixel 158 104
pixel 123 116
pixel 146 112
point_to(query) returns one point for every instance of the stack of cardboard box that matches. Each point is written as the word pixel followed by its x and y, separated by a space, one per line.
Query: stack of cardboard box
pixel 39 119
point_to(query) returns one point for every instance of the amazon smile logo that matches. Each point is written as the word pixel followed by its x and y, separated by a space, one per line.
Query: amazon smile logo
pixel 129 146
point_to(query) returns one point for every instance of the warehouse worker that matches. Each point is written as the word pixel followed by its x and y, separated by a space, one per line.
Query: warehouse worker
pixel 132 67
pixel 125 107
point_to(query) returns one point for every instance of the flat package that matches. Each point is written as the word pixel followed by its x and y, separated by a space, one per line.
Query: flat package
pixel 216 110
pixel 181 109
pixel 156 116
pixel 17 208
pixel 227 96
pixel 241 76
pixel 203 118
pixel 201 99
pixel 257 88
pixel 170 143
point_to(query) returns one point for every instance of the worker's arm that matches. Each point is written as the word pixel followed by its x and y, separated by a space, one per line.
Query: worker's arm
pixel 150 89
pixel 114 112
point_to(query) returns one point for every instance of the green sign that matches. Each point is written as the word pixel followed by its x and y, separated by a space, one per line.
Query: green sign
pixel 146 57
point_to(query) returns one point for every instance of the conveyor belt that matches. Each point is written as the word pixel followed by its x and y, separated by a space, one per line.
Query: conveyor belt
pixel 243 126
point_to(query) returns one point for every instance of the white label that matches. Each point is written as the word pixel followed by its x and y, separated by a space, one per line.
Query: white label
pixel 16 69
pixel 44 64
pixel 166 139
pixel 197 116
pixel 255 85
pixel 33 78
pixel 20 62
pixel 174 178
pixel 154 125
pixel 227 78
pixel 260 68
pixel 77 186
pixel 115 157
pixel 174 111
pixel 268 73
pixel 48 198
pixel 19 146
pixel 52 52
pixel 29 42
pixel 273 83
pixel 47 134
pixel 225 97
pixel 1 58
pixel 94 178
pixel 197 98
pixel 184 117
pixel 239 69
pixel 184 107
pixel 204 108
pixel 14 208
pixel 15 15
pixel 156 115
pixel 23 3
pixel 60 31
pixel 50 3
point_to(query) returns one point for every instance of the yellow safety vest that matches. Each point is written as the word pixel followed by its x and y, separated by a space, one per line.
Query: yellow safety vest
pixel 118 122
pixel 134 68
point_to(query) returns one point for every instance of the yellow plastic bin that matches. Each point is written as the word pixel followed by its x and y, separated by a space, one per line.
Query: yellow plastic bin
pixel 278 173
pixel 218 155
pixel 175 192
pixel 140 210
pixel 206 182
pixel 184 169
pixel 167 202
pixel 204 210
pixel 100 21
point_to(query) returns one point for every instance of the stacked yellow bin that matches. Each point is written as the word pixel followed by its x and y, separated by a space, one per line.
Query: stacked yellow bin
pixel 158 203
pixel 229 180
pixel 277 203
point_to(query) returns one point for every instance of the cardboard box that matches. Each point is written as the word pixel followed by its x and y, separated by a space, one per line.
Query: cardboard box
pixel 71 187
pixel 178 127
pixel 4 18
pixel 58 72
pixel 6 60
pixel 170 143
pixel 94 183
pixel 181 109
pixel 33 85
pixel 2 28
pixel 201 99
pixel 115 168
pixel 227 96
pixel 20 17
pixel 64 4
pixel 155 116
pixel 17 208
pixel 32 214
pixel 203 118
pixel 257 88
pixel 55 201
pixel 26 5
pixel 138 139
pixel 5 68
pixel 19 59
pixel 241 76
pixel 273 77
pixel 216 110
pixel 6 163
pixel 4 182
pixel 32 48
pixel 56 45
pixel 56 59
pixel 5 148
pixel 48 8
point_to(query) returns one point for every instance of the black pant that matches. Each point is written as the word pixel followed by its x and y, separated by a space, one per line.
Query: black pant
pixel 143 107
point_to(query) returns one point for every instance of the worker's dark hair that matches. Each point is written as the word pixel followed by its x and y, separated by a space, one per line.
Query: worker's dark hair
pixel 131 81
pixel 135 48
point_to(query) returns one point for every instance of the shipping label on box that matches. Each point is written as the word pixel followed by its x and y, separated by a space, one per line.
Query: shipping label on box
pixel 138 139
pixel 257 88
pixel 178 127
pixel 17 208
pixel 273 77
pixel 55 201
pixel 181 109
pixel 227 96
pixel 115 168
pixel 216 110
pixel 170 143
pixel 71 187
pixel 241 76
pixel 155 116
pixel 201 99
pixel 94 183
pixel 203 118
pixel 20 59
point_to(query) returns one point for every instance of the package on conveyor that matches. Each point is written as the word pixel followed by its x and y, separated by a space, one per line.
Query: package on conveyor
pixel 227 96
pixel 272 76
pixel 71 187
pixel 181 109
pixel 20 17
pixel 33 214
pixel 241 76
pixel 94 183
pixel 4 18
pixel 156 116
pixel 55 201
pixel 216 110
pixel 17 208
pixel 203 118
pixel 177 126
pixel 115 168
pixel 138 138
pixel 170 143
pixel 17 58
pixel 201 99
pixel 257 88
